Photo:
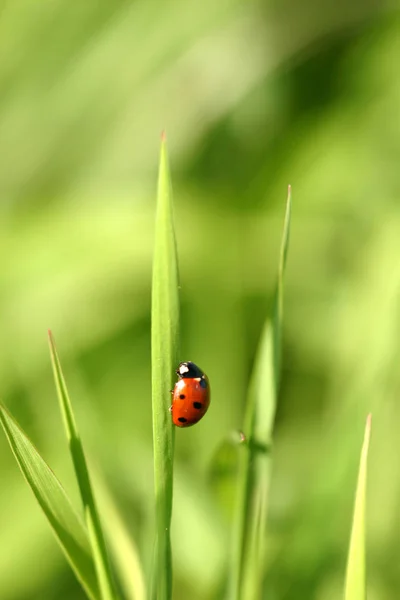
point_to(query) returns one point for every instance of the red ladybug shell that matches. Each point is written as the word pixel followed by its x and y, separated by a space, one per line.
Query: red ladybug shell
pixel 190 396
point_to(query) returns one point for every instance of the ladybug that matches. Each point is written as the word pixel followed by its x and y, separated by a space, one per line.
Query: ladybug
pixel 190 396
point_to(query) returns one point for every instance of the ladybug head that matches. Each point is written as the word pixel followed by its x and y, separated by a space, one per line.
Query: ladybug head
pixel 188 370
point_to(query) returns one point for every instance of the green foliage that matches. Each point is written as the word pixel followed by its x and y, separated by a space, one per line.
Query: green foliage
pixel 253 95
pixel 124 550
pixel 67 526
pixel 355 588
pixel 164 358
pixel 255 469
pixel 96 537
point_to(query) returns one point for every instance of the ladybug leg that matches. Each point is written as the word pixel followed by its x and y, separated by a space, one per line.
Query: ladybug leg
pixel 170 408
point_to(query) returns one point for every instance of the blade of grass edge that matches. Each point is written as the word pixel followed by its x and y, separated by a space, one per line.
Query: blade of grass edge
pixel 355 585
pixel 254 459
pixel 67 526
pixel 96 536
pixel 164 358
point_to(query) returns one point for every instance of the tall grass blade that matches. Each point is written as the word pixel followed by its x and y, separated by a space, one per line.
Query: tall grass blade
pixel 164 356
pixel 67 526
pixel 123 549
pixel 96 536
pixel 355 586
pixel 255 461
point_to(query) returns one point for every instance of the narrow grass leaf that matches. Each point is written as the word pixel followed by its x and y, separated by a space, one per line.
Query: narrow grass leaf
pixel 222 476
pixel 123 549
pixel 164 351
pixel 96 536
pixel 355 586
pixel 254 461
pixel 67 526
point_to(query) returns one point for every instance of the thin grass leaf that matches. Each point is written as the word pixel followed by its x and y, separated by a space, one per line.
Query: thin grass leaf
pixel 164 356
pixel 254 461
pixel 355 586
pixel 223 470
pixel 124 551
pixel 67 526
pixel 96 536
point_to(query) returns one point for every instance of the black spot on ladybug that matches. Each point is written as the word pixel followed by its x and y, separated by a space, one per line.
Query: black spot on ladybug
pixel 203 383
pixel 182 396
pixel 197 405
pixel 182 420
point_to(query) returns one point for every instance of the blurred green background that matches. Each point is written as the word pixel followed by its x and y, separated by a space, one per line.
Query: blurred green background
pixel 253 95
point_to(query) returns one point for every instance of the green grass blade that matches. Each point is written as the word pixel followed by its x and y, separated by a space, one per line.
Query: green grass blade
pixel 96 536
pixel 164 356
pixel 67 526
pixel 254 462
pixel 123 549
pixel 355 587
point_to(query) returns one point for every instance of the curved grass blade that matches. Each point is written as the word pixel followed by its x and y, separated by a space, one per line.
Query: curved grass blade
pixel 355 586
pixel 255 461
pixel 67 526
pixel 92 519
pixel 164 356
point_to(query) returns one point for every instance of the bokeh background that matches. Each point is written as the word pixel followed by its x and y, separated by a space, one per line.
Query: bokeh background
pixel 254 95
